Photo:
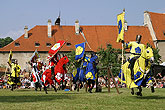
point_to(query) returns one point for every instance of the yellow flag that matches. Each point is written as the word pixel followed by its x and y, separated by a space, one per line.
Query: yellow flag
pixel 120 23
pixel 10 56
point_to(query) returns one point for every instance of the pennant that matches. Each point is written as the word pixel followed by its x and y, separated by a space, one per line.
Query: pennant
pixel 35 56
pixel 56 47
pixel 80 50
pixel 10 56
pixel 120 23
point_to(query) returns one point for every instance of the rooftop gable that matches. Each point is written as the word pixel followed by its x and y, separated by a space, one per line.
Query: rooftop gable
pixel 158 23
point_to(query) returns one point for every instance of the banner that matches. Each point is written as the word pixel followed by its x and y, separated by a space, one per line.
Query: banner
pixel 56 47
pixel 10 56
pixel 35 56
pixel 80 50
pixel 120 23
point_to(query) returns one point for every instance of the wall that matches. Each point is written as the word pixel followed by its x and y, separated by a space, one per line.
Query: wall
pixel 22 58
pixel 161 46
pixel 147 22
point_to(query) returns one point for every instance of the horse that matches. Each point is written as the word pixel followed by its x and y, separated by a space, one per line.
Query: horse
pixel 91 72
pixel 86 73
pixel 78 76
pixel 59 71
pixel 142 72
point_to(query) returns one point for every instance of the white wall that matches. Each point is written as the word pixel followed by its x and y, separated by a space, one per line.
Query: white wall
pixel 22 58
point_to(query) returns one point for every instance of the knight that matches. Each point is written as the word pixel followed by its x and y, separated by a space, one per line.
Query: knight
pixel 15 72
pixel 136 48
pixel 52 62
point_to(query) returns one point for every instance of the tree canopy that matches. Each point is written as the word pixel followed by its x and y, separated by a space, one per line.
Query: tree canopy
pixel 109 57
pixel 5 41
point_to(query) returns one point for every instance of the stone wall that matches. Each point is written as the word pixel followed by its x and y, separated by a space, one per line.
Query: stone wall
pixel 161 46
pixel 148 23
pixel 22 57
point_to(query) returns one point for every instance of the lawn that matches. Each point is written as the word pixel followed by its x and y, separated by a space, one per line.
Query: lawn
pixel 28 99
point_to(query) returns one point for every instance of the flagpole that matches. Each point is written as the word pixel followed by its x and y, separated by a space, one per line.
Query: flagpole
pixel 122 65
pixel 85 39
pixel 122 52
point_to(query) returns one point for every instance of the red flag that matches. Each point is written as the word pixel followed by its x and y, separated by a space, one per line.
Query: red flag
pixel 56 47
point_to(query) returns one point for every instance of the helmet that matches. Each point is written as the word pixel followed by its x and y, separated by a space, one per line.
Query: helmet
pixel 138 38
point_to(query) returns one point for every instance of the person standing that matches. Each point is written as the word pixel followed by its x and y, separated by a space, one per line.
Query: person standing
pixel 15 72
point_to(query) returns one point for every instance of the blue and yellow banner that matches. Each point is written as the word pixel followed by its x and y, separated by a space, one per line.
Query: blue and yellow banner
pixel 120 23
pixel 80 50
pixel 75 74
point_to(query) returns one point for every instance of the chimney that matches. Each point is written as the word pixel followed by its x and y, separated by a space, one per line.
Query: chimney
pixel 77 27
pixel 49 28
pixel 26 32
pixel 125 25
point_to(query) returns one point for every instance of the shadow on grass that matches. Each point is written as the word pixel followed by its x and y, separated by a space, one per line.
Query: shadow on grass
pixel 38 98
pixel 150 97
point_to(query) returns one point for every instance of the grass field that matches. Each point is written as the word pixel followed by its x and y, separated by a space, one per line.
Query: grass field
pixel 27 99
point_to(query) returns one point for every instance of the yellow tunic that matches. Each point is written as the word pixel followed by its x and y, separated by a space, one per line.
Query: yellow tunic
pixel 135 48
pixel 13 72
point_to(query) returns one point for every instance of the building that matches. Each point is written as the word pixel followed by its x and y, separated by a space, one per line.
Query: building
pixel 43 37
pixel 156 25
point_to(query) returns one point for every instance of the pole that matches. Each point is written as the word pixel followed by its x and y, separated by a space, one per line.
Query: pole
pixel 122 64
pixel 109 70
pixel 97 81
pixel 108 80
pixel 5 73
pixel 85 39
pixel 78 85
pixel 86 86
pixel 71 82
pixel 122 51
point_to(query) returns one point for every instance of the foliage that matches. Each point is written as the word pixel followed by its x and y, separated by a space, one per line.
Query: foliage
pixel 157 56
pixel 109 57
pixel 72 62
pixel 5 41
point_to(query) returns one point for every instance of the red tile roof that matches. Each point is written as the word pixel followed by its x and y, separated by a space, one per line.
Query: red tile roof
pixel 97 36
pixel 158 23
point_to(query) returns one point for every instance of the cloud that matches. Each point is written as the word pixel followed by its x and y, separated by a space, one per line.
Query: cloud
pixel 13 34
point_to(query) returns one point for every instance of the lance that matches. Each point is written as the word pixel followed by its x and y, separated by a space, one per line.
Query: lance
pixel 79 30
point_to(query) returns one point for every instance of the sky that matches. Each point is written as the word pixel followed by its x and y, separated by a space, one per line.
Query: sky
pixel 16 14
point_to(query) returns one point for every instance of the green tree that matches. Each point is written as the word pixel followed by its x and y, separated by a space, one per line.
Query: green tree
pixel 73 63
pixel 109 57
pixel 157 56
pixel 5 41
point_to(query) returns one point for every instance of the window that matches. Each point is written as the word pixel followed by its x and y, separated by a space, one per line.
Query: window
pixel 17 44
pixel 48 44
pixel 164 34
pixel 68 44
pixel 37 44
